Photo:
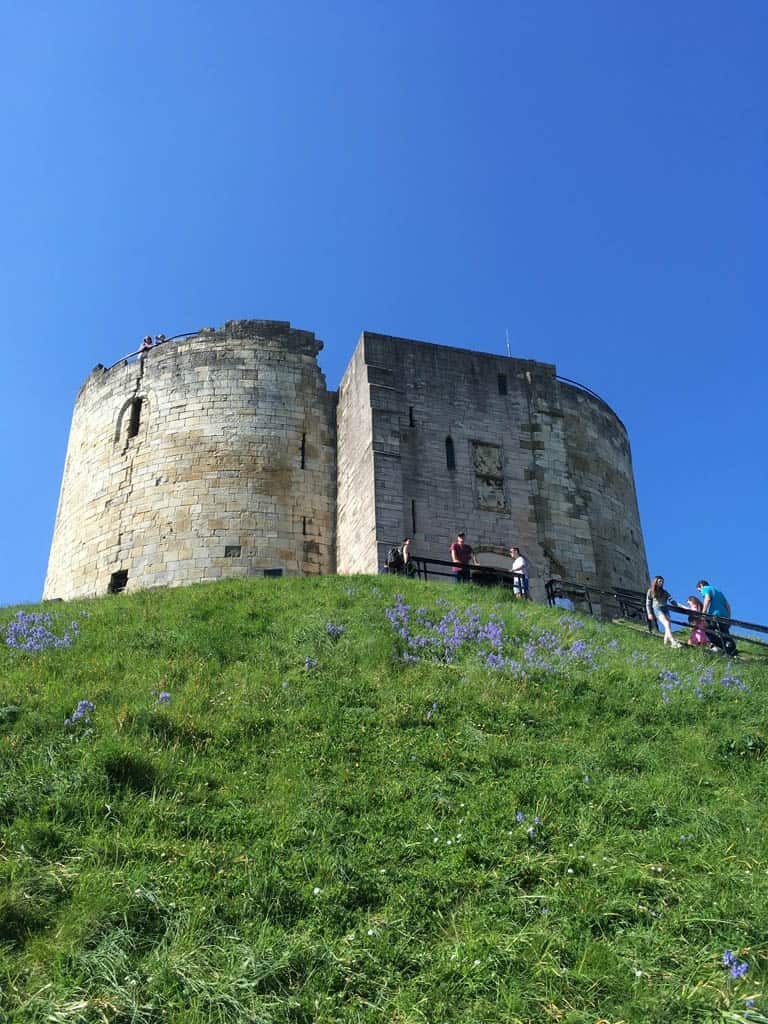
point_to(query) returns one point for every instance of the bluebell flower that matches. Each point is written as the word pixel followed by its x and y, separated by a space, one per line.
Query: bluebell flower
pixel 33 631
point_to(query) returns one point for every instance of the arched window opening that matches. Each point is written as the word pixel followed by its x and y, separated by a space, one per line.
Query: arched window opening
pixel 135 417
pixel 450 455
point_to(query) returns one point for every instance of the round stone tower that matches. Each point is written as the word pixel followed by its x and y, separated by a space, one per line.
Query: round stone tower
pixel 210 457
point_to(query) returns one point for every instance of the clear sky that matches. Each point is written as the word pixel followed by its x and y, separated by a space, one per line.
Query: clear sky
pixel 591 176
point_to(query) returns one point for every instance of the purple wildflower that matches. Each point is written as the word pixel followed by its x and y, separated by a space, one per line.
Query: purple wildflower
pixel 33 631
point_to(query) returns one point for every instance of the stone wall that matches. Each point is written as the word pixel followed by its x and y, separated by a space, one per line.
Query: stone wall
pixel 497 447
pixel 211 457
pixel 224 455
pixel 356 508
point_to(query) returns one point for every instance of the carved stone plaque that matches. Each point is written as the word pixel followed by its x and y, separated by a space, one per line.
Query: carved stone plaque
pixel 489 475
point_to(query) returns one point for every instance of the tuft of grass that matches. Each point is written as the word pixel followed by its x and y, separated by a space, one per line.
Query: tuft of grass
pixel 376 800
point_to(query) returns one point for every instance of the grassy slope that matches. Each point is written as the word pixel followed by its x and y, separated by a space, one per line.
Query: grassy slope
pixel 283 844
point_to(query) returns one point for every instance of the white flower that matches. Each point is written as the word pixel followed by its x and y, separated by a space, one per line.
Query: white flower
pixel 316 891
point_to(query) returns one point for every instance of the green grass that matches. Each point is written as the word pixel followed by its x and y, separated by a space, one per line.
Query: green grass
pixel 290 845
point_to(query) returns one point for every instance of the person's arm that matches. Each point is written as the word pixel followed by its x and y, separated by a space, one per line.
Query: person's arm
pixel 453 557
pixel 707 603
pixel 648 604
pixel 728 608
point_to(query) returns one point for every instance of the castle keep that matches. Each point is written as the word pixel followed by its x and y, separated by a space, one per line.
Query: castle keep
pixel 224 455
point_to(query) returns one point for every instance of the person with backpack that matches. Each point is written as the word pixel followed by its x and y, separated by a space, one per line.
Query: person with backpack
pixel 409 566
pixel 399 561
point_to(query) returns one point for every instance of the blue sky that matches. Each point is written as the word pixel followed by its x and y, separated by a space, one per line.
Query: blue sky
pixel 590 176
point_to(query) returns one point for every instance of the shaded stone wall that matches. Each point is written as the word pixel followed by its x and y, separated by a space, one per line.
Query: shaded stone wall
pixel 187 465
pixel 497 447
pixel 599 459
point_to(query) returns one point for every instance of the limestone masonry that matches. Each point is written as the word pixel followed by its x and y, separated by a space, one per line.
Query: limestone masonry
pixel 224 454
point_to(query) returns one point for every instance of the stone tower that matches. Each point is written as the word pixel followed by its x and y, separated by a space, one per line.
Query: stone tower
pixel 432 440
pixel 210 457
pixel 225 455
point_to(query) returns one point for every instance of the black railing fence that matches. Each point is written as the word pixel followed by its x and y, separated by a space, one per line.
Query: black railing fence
pixel 484 575
pixel 619 602
pixel 630 604
pixel 143 351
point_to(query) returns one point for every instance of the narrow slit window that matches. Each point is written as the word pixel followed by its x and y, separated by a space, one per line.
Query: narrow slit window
pixel 304 525
pixel 118 581
pixel 135 417
pixel 413 516
pixel 450 455
pixel 502 383
pixel 411 422
pixel 303 451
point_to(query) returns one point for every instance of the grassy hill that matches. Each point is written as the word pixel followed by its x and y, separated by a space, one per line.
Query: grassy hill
pixel 314 801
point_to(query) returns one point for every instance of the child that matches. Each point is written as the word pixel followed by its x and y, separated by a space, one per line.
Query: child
pixel 698 625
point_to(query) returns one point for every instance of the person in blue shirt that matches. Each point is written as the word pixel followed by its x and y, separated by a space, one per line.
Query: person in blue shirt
pixel 716 603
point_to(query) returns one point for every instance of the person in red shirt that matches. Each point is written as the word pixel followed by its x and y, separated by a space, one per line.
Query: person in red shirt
pixel 462 557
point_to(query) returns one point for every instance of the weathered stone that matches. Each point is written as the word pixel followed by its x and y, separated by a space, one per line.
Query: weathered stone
pixel 230 440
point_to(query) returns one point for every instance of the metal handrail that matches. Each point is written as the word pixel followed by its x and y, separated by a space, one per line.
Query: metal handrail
pixel 157 344
pixel 488 574
pixel 582 387
pixel 632 605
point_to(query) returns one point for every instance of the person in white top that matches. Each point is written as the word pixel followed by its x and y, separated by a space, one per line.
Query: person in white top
pixel 520 566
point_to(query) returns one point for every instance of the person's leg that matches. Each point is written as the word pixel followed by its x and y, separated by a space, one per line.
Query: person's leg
pixel 720 636
pixel 667 627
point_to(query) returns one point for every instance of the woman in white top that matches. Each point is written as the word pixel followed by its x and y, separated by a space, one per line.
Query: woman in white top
pixel 520 566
